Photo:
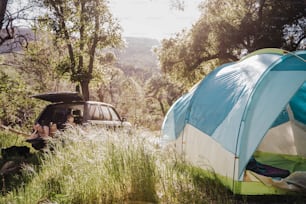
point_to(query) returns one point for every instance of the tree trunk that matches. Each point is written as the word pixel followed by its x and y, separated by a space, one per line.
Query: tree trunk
pixel 85 89
pixel 101 93
pixel 3 4
pixel 162 107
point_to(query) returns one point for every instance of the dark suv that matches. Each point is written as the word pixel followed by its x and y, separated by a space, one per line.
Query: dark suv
pixel 84 112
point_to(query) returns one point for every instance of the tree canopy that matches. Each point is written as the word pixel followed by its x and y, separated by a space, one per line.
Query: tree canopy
pixel 228 29
pixel 84 26
pixel 163 90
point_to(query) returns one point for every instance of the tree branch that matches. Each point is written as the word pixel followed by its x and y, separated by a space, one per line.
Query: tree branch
pixel 3 5
pixel 299 41
pixel 82 13
pixel 95 40
pixel 59 12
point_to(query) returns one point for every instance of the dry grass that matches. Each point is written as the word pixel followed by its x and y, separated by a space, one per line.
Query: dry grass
pixel 99 166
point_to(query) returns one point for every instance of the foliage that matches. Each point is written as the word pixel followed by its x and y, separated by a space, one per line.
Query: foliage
pixel 41 67
pixel 109 81
pixel 177 60
pixel 41 63
pixel 112 86
pixel 17 107
pixel 83 27
pixel 229 29
pixel 160 89
pixel 144 103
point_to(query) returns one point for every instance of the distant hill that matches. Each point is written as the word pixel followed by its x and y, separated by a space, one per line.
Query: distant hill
pixel 138 53
pixel 22 36
pixel 135 59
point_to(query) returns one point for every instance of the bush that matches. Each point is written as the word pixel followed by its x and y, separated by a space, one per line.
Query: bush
pixel 17 108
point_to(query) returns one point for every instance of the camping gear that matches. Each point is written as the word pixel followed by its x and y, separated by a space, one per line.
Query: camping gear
pixel 266 170
pixel 255 105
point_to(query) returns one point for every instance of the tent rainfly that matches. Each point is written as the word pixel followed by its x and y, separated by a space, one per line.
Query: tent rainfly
pixel 246 122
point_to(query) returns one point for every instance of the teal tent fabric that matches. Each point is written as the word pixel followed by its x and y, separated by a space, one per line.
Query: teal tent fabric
pixel 298 106
pixel 239 102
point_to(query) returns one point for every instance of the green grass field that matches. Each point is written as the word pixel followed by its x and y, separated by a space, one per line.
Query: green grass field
pixel 97 166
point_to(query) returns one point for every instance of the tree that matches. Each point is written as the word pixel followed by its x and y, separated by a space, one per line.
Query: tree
pixel 245 26
pixel 17 108
pixel 109 85
pixel 160 88
pixel 10 32
pixel 84 27
pixel 3 5
pixel 41 63
pixel 227 30
pixel 121 91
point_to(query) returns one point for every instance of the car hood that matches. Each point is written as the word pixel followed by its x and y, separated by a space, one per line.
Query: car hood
pixel 60 97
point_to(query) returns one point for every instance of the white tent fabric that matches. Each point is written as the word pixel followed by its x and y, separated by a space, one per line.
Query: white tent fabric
pixel 225 118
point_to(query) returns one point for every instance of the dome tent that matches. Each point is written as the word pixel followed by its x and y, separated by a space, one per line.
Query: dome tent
pixel 254 106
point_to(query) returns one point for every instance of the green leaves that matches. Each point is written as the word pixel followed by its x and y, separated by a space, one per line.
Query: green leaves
pixel 228 29
pixel 161 89
pixel 83 27
pixel 17 107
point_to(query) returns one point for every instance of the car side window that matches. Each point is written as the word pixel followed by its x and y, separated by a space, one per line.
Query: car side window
pixel 114 114
pixel 94 113
pixel 102 112
pixel 105 112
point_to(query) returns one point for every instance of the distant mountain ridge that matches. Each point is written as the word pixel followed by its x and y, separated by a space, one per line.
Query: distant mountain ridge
pixel 138 53
pixel 22 37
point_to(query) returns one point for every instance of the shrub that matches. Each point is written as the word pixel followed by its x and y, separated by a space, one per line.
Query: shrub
pixel 17 108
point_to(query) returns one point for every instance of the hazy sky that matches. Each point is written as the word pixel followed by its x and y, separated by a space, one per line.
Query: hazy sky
pixel 153 18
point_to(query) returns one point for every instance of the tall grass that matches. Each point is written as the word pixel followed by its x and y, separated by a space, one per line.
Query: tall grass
pixel 100 166
pixel 8 139
pixel 14 180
